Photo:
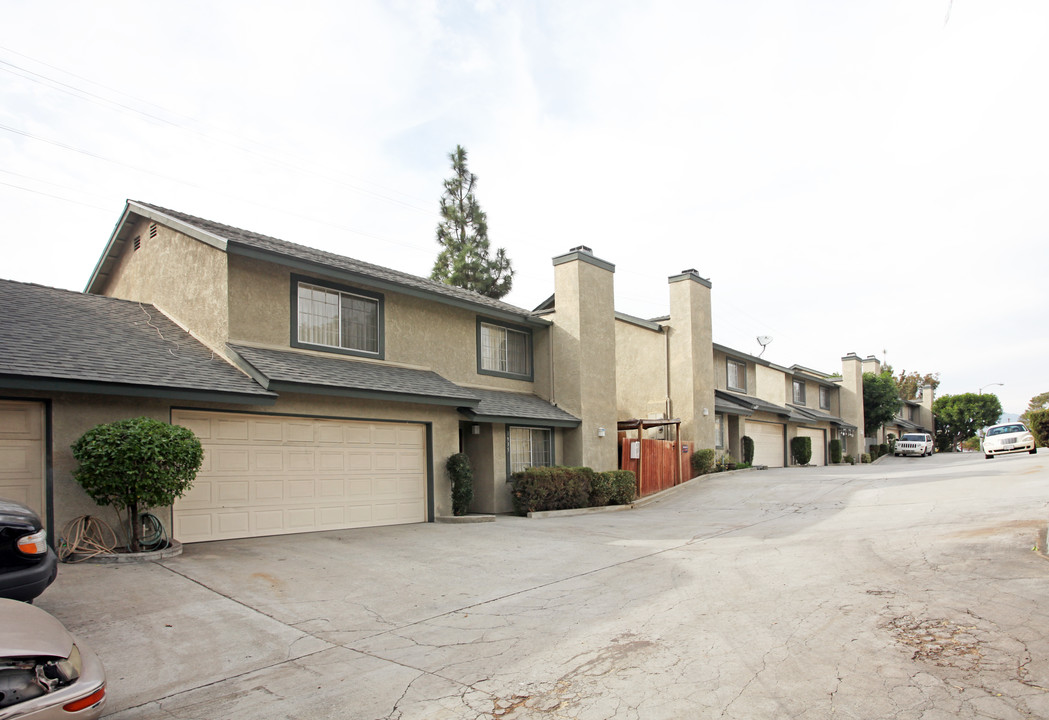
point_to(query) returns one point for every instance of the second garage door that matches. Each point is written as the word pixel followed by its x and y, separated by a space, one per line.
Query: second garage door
pixel 273 474
pixel 768 442
pixel 818 445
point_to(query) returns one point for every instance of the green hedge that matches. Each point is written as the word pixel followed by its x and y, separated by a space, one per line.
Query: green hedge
pixel 624 486
pixel 703 461
pixel 462 478
pixel 563 488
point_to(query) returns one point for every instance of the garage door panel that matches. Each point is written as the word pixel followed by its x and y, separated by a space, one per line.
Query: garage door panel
pixel 22 453
pixel 768 443
pixel 232 429
pixel 319 474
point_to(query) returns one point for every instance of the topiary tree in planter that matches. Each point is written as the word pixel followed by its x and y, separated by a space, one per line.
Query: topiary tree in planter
pixel 462 476
pixel 801 450
pixel 136 464
pixel 748 449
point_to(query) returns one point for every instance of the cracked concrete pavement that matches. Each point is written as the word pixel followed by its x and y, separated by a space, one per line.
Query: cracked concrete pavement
pixel 911 589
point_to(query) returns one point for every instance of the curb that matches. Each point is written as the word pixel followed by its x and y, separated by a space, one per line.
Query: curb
pixel 579 511
pixel 174 549
pixel 464 519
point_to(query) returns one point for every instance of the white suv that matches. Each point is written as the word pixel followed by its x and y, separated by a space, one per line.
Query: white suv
pixel 919 444
pixel 1007 438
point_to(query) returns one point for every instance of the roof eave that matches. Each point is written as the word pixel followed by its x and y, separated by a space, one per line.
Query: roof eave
pixel 517 420
pixel 93 387
pixel 282 386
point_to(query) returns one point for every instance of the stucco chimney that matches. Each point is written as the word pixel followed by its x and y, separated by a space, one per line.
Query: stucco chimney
pixel 851 400
pixel 584 349
pixel 692 357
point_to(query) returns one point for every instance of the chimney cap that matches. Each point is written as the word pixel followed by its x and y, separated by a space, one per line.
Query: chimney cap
pixel 582 249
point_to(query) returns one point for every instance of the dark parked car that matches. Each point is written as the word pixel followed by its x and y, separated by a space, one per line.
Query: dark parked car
pixel 27 564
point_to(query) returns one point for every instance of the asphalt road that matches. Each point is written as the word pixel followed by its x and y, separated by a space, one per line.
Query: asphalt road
pixel 911 589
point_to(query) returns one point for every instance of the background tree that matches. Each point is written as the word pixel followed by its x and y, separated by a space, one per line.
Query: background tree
pixel 1038 422
pixel 1038 402
pixel 909 383
pixel 959 417
pixel 881 401
pixel 465 259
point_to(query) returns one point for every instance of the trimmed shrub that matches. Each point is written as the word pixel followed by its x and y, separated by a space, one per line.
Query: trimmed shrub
pixel 835 451
pixel 850 459
pixel 873 451
pixel 600 489
pixel 550 488
pixel 623 485
pixel 462 476
pixel 748 450
pixel 702 461
pixel 865 458
pixel 883 449
pixel 801 450
pixel 137 464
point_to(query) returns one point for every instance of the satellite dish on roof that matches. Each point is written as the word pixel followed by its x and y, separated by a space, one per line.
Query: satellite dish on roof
pixel 763 341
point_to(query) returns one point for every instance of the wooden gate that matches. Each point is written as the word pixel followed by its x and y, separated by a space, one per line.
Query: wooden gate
pixel 657 464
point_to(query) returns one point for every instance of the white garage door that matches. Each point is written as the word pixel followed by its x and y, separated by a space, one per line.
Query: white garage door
pixel 818 446
pixel 768 442
pixel 22 453
pixel 274 474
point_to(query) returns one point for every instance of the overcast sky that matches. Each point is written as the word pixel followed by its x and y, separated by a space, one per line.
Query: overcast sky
pixel 868 177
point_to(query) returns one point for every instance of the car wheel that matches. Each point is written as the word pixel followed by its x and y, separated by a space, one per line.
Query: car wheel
pixel 988 457
pixel 1033 451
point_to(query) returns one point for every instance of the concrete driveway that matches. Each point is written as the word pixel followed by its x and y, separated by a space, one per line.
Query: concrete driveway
pixel 907 589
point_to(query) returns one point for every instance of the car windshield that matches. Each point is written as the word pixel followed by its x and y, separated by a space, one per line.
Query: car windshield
pixel 1003 429
pixel 914 438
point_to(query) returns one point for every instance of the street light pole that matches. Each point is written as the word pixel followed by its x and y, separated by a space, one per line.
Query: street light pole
pixel 980 391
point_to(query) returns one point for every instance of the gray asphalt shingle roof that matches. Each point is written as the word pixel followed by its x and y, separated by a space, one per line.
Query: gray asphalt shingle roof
pixel 257 241
pixel 52 334
pixel 501 404
pixel 354 376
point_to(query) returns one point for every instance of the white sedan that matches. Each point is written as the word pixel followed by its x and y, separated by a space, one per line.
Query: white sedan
pixel 1008 438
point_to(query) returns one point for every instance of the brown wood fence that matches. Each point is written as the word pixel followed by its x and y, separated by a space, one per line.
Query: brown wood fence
pixel 658 458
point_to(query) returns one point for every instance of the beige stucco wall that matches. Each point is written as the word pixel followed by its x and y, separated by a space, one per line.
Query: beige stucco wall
pixel 771 385
pixel 850 397
pixel 692 358
pixel 721 372
pixel 182 276
pixel 641 371
pixel 418 333
pixel 584 337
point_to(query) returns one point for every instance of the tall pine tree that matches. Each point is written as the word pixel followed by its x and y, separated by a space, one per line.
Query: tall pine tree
pixel 465 260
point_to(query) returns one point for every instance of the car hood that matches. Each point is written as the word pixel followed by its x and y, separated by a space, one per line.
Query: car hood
pixel 15 513
pixel 27 631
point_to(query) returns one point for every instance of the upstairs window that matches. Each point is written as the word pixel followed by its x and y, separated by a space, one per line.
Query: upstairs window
pixel 737 375
pixel 799 392
pixel 342 319
pixel 504 350
pixel 824 398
